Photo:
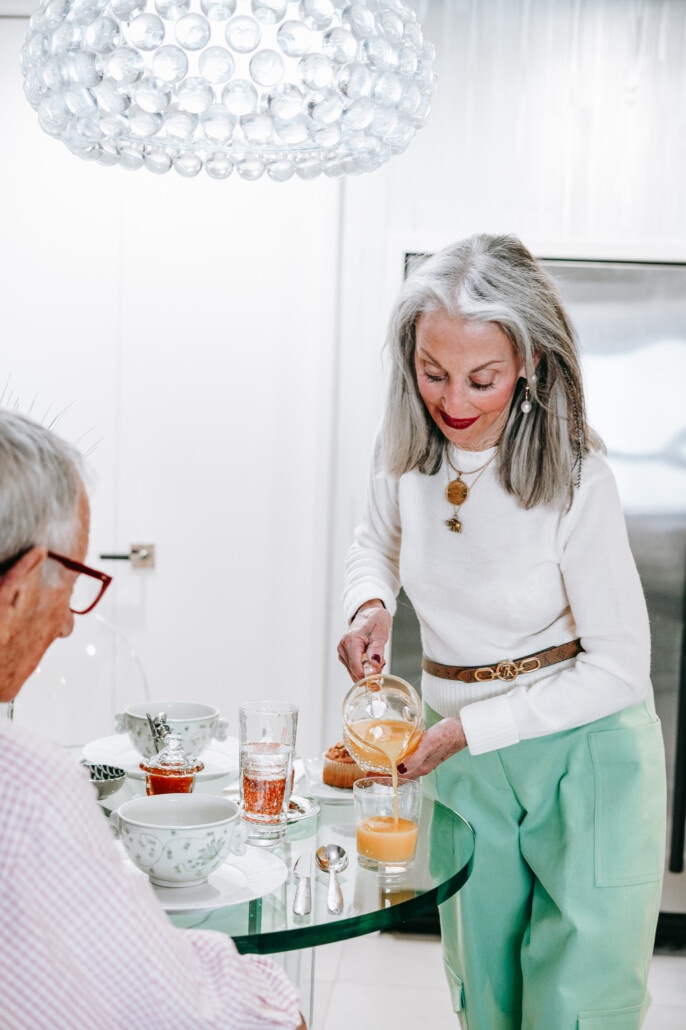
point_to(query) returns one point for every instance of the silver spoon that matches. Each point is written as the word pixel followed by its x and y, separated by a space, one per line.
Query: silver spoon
pixel 332 859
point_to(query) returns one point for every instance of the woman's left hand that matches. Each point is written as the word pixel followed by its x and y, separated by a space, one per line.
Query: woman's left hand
pixel 444 739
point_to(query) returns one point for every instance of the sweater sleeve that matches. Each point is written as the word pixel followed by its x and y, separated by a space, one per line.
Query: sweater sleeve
pixel 607 604
pixel 371 565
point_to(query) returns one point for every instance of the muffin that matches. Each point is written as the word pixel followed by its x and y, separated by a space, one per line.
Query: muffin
pixel 340 770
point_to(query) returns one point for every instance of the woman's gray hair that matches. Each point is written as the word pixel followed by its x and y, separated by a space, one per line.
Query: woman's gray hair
pixel 41 480
pixel 494 279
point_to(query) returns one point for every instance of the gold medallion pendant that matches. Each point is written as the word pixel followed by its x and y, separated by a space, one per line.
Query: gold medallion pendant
pixel 457 492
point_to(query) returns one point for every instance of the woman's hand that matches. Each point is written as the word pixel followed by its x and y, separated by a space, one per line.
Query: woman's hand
pixel 444 739
pixel 367 636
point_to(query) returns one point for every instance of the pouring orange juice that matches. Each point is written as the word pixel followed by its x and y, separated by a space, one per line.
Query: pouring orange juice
pixel 382 723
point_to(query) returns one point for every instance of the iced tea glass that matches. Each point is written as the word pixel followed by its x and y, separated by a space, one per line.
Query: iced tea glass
pixel 267 731
pixel 386 823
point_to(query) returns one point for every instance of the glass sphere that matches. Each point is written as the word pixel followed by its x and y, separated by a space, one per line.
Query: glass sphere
pixel 187 164
pixel 294 38
pixel 282 87
pixel 243 34
pixel 240 97
pixel 170 64
pixel 192 31
pixel 266 68
pixel 146 32
pixel 216 64
pixel 269 11
pixel 219 166
pixel 195 95
pixel 125 66
pixel 217 124
pixel 180 125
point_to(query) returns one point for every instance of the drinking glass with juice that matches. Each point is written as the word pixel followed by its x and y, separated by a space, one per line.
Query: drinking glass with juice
pixel 386 821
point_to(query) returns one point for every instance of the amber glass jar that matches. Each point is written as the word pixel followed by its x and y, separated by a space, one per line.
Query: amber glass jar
pixel 171 771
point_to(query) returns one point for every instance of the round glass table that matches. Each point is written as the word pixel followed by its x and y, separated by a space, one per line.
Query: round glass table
pixel 372 902
pixel 267 924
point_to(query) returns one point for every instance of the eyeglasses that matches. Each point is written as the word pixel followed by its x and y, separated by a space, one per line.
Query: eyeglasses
pixel 89 586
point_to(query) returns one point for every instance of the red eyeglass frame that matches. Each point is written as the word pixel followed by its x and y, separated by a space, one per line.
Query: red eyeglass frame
pixel 84 570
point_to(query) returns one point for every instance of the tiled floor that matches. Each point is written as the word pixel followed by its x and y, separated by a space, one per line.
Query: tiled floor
pixel 386 980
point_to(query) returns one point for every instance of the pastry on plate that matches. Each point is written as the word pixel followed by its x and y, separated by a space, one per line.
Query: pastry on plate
pixel 340 769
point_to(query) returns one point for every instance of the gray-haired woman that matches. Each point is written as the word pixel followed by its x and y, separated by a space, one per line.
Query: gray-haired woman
pixel 490 502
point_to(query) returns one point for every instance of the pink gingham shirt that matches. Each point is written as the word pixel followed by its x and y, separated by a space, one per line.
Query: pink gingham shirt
pixel 83 944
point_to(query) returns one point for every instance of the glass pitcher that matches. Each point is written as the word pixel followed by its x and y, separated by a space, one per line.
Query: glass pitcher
pixel 382 722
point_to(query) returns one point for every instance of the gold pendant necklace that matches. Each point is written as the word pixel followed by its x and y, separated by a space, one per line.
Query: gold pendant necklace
pixel 457 490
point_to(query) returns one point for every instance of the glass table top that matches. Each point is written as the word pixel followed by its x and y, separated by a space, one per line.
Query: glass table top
pixel 268 925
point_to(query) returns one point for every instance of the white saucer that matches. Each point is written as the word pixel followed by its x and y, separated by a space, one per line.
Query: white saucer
pixel 316 787
pixel 242 878
pixel 220 758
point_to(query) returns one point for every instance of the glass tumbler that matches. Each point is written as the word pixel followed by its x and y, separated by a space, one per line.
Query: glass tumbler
pixel 267 732
pixel 386 823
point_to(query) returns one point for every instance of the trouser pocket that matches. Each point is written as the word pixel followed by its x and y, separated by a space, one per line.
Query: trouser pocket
pixel 456 987
pixel 614 1019
pixel 630 803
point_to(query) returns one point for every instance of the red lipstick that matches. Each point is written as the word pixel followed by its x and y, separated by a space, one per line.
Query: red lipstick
pixel 458 423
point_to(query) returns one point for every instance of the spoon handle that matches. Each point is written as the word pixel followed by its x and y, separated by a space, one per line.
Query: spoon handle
pixel 334 898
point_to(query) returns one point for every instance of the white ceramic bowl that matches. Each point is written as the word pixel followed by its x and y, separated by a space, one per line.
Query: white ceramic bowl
pixel 179 839
pixel 196 724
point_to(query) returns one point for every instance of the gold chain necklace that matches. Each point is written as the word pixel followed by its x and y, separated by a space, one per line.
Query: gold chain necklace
pixel 457 490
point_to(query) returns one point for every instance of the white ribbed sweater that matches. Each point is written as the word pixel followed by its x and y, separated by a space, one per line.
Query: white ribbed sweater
pixel 512 583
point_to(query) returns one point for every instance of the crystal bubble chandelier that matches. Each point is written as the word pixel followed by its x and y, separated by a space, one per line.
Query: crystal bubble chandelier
pixel 280 87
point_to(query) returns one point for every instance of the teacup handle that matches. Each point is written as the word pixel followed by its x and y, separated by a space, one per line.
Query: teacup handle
pixel 115 825
pixel 121 722
pixel 221 729
pixel 239 838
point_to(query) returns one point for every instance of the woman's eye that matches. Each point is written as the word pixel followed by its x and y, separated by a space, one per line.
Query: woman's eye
pixel 482 386
pixel 434 378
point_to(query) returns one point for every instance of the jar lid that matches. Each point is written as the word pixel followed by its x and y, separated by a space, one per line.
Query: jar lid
pixel 172 758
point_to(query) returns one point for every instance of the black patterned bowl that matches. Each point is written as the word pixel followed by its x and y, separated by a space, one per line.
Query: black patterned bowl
pixel 107 778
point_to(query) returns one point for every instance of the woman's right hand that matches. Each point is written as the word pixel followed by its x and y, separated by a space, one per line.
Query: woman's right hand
pixel 366 638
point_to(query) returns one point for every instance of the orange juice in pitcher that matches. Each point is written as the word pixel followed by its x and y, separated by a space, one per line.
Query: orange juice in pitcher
pixel 382 722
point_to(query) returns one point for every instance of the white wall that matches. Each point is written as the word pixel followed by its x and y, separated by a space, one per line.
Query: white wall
pixel 562 121
pixel 190 327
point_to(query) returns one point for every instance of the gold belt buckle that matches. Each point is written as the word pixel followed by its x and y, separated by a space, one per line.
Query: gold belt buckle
pixel 507 670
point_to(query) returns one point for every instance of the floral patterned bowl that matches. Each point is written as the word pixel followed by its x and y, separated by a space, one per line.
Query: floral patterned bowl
pixel 179 839
pixel 195 724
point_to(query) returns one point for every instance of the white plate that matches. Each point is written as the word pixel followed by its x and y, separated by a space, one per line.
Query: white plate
pixel 220 758
pixel 242 878
pixel 316 787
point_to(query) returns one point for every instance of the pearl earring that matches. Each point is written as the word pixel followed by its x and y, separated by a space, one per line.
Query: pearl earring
pixel 525 406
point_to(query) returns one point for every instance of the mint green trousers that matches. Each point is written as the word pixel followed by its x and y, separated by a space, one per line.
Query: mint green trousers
pixel 554 930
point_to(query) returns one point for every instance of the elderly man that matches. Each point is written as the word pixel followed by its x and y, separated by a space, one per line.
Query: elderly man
pixel 82 944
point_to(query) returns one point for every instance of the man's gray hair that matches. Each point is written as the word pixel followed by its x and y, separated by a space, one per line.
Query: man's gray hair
pixel 41 480
pixel 494 279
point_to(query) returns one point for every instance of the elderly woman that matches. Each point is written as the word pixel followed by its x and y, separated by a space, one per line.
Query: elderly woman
pixel 490 502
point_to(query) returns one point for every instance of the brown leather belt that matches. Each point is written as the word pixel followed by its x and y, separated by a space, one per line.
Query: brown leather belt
pixel 507 670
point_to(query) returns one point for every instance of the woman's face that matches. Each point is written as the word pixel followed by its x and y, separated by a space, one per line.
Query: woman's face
pixel 466 373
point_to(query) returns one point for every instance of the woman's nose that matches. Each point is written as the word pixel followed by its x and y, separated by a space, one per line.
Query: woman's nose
pixel 455 399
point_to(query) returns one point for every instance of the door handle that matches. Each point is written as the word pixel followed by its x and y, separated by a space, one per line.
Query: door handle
pixel 141 556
